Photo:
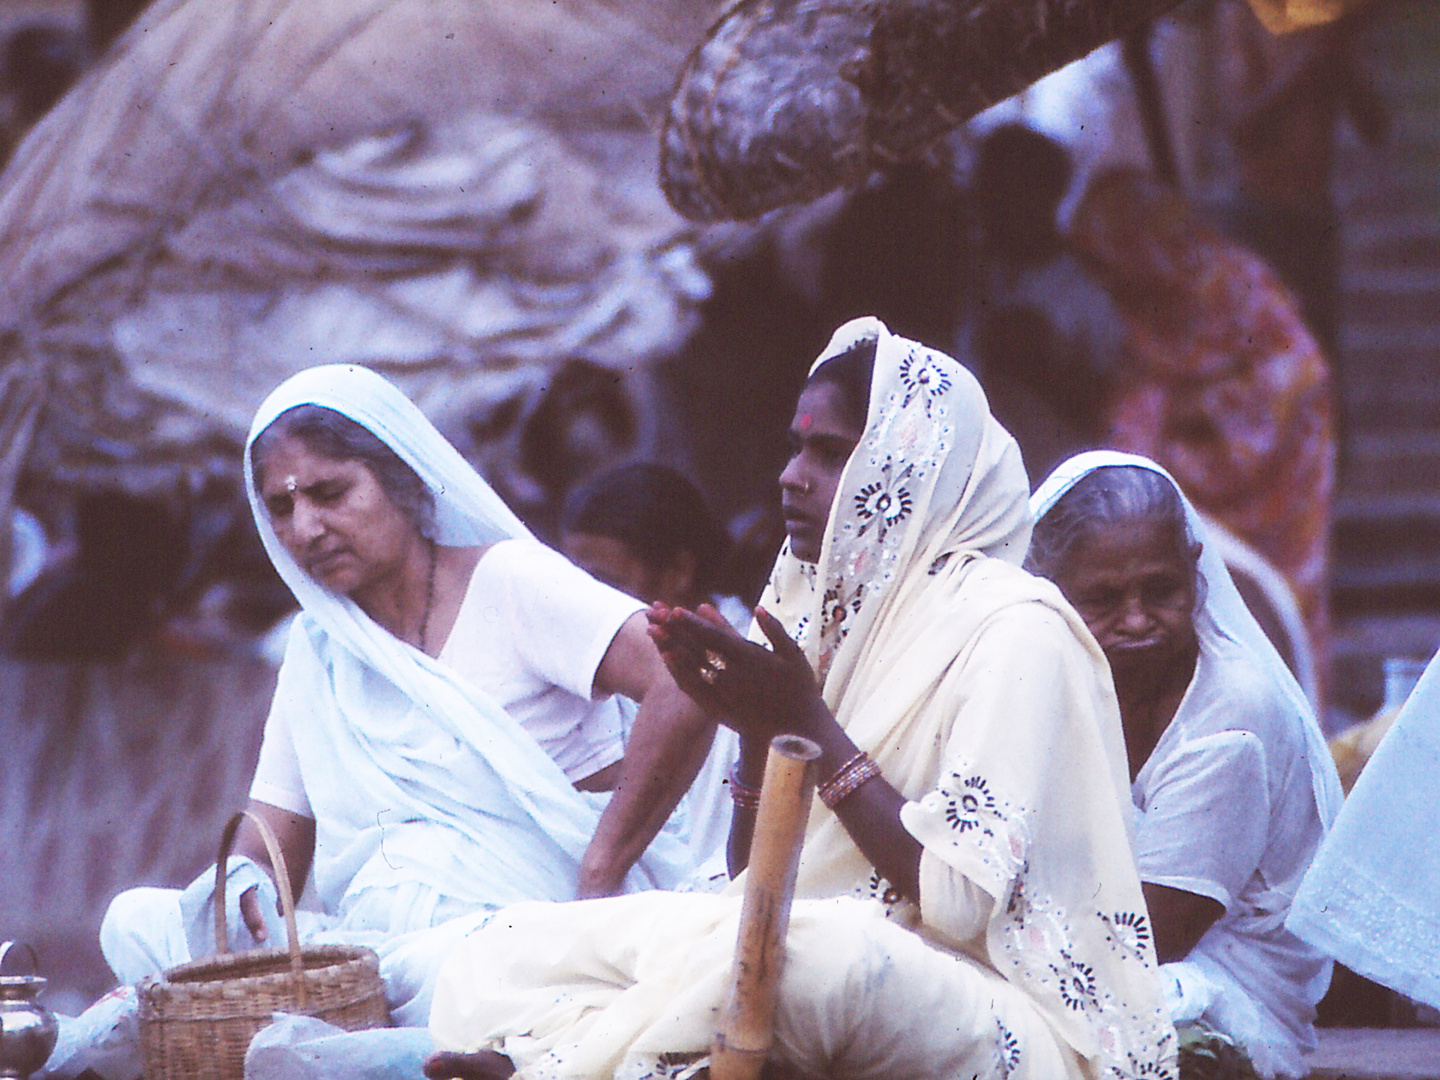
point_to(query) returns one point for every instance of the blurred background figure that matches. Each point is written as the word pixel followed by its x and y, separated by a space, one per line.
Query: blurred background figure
pixel 1284 98
pixel 1220 381
pixel 1042 333
pixel 646 530
pixel 111 592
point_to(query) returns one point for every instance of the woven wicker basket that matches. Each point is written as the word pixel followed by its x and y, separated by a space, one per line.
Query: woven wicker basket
pixel 785 100
pixel 197 1020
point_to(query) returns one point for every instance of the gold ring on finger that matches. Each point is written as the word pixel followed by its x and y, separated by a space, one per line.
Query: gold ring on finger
pixel 707 673
pixel 714 660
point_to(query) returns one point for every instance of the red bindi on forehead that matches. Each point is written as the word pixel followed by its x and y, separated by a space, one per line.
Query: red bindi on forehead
pixel 807 421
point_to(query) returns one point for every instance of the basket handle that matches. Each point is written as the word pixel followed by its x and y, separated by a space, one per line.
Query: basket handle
pixel 282 882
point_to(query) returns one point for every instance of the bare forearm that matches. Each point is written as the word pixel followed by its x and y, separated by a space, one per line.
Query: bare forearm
pixel 870 814
pixel 751 772
pixel 1178 919
pixel 295 835
pixel 668 744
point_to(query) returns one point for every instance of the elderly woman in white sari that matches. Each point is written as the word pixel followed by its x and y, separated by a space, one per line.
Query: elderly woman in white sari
pixel 443 729
pixel 1233 785
pixel 968 903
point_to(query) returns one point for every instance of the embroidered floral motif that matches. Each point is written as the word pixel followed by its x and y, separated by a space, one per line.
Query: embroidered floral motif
pixel 1128 933
pixel 885 501
pixel 1039 942
pixel 663 1067
pixel 878 888
pixel 923 379
pixel 981 822
pixel 1077 983
pixel 888 474
pixel 967 807
pixel 1037 938
pixel 834 610
pixel 1137 1069
pixel 802 631
pixel 1008 1048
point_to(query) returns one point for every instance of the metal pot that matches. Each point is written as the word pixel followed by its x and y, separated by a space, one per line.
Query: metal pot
pixel 27 1028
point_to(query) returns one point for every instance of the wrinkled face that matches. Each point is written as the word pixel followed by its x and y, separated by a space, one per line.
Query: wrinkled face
pixel 821 441
pixel 613 562
pixel 333 517
pixel 1136 593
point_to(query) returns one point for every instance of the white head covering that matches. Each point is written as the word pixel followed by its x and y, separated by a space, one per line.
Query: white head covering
pixel 439 750
pixel 1372 897
pixel 1222 615
pixel 956 479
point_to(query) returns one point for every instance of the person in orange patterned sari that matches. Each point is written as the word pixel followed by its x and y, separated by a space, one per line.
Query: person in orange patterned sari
pixel 1220 381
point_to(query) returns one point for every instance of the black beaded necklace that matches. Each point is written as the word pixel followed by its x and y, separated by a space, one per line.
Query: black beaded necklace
pixel 429 598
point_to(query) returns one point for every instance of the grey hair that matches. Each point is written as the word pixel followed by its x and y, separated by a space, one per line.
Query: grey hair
pixel 1112 494
pixel 335 436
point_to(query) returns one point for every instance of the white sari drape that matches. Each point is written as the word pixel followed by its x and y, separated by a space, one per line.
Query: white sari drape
pixel 438 785
pixel 1372 896
pixel 1243 715
pixel 983 700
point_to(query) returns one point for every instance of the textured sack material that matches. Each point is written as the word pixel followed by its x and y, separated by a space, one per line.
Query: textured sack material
pixel 785 100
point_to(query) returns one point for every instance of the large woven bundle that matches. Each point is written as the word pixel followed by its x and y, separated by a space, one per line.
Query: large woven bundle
pixel 785 100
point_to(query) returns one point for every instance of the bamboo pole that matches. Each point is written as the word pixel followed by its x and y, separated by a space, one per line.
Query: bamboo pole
pixel 747 1022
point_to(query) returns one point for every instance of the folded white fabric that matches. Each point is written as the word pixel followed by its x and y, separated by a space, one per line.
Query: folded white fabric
pixel 303 1048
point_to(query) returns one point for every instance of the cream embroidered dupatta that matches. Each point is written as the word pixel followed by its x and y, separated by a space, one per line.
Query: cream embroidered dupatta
pixel 1017 776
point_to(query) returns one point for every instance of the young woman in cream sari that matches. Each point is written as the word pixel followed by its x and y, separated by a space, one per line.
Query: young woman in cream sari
pixel 968 899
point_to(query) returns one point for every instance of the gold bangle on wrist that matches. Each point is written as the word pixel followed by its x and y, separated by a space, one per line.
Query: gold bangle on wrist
pixel 744 796
pixel 847 780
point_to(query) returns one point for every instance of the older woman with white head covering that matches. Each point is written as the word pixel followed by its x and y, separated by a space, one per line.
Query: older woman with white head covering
pixel 1231 778
pixel 968 903
pixel 443 718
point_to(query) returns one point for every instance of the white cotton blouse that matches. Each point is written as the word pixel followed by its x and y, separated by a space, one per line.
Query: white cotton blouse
pixel 531 632
pixel 1226 809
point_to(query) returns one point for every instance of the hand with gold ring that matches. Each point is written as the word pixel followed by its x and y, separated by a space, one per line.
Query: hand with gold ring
pixel 763 692
pixel 713 666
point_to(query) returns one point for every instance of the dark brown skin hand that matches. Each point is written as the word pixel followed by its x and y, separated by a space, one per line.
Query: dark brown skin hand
pixel 296 836
pixel 762 694
pixel 756 689
pixel 1179 919
pixel 481 1065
